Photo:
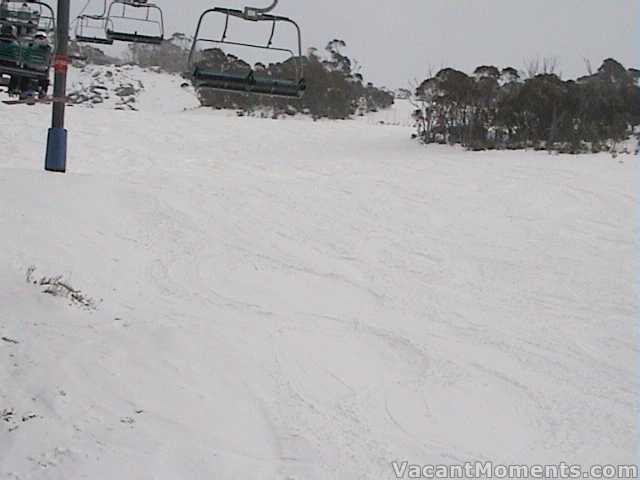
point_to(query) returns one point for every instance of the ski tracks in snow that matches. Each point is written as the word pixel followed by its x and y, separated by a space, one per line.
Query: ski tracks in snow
pixel 314 303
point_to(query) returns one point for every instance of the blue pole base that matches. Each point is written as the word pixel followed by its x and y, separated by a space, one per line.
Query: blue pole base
pixel 56 159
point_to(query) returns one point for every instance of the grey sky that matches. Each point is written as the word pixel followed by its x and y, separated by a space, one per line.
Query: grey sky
pixel 396 41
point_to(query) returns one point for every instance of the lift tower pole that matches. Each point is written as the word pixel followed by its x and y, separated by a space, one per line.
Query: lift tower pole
pixel 56 158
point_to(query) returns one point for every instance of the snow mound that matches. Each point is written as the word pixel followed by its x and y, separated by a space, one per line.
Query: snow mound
pixel 129 87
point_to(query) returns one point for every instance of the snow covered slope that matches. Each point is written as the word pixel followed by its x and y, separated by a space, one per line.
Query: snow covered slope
pixel 399 115
pixel 245 298
pixel 129 87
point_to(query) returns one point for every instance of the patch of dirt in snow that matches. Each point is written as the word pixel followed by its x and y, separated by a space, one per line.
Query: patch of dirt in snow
pixel 113 86
pixel 13 420
pixel 58 287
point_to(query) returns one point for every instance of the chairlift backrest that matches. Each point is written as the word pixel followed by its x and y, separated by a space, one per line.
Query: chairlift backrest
pixel 92 28
pixel 153 16
pixel 265 81
pixel 33 14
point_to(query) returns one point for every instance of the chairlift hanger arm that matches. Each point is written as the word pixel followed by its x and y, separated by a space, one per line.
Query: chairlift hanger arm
pixel 252 13
pixel 99 16
pixel 273 5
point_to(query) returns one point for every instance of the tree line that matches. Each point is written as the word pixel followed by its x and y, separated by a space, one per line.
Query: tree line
pixel 491 109
pixel 335 87
pixel 498 109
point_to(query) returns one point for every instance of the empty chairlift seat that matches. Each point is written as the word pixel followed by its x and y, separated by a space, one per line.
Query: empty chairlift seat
pixel 93 39
pixel 205 76
pixel 93 28
pixel 248 83
pixel 278 87
pixel 148 18
pixel 134 37
pixel 225 81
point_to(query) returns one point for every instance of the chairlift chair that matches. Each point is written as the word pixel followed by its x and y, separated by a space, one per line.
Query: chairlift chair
pixel 91 28
pixel 148 19
pixel 85 24
pixel 252 82
pixel 20 54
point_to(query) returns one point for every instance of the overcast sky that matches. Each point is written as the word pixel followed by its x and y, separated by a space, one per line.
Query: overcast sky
pixel 400 40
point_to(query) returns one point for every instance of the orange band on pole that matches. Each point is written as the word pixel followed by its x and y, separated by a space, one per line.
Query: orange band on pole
pixel 60 63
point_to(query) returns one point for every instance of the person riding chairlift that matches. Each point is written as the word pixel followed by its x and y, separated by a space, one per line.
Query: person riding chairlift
pixel 34 21
pixel 24 12
pixel 31 87
pixel 8 31
pixel 41 39
pixel 24 15
pixel 9 34
pixel 4 9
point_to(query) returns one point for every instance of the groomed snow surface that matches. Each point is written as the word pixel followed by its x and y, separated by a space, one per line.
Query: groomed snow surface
pixel 300 300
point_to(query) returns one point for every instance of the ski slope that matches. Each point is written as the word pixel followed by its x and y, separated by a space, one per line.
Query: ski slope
pixel 301 300
pixel 129 87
